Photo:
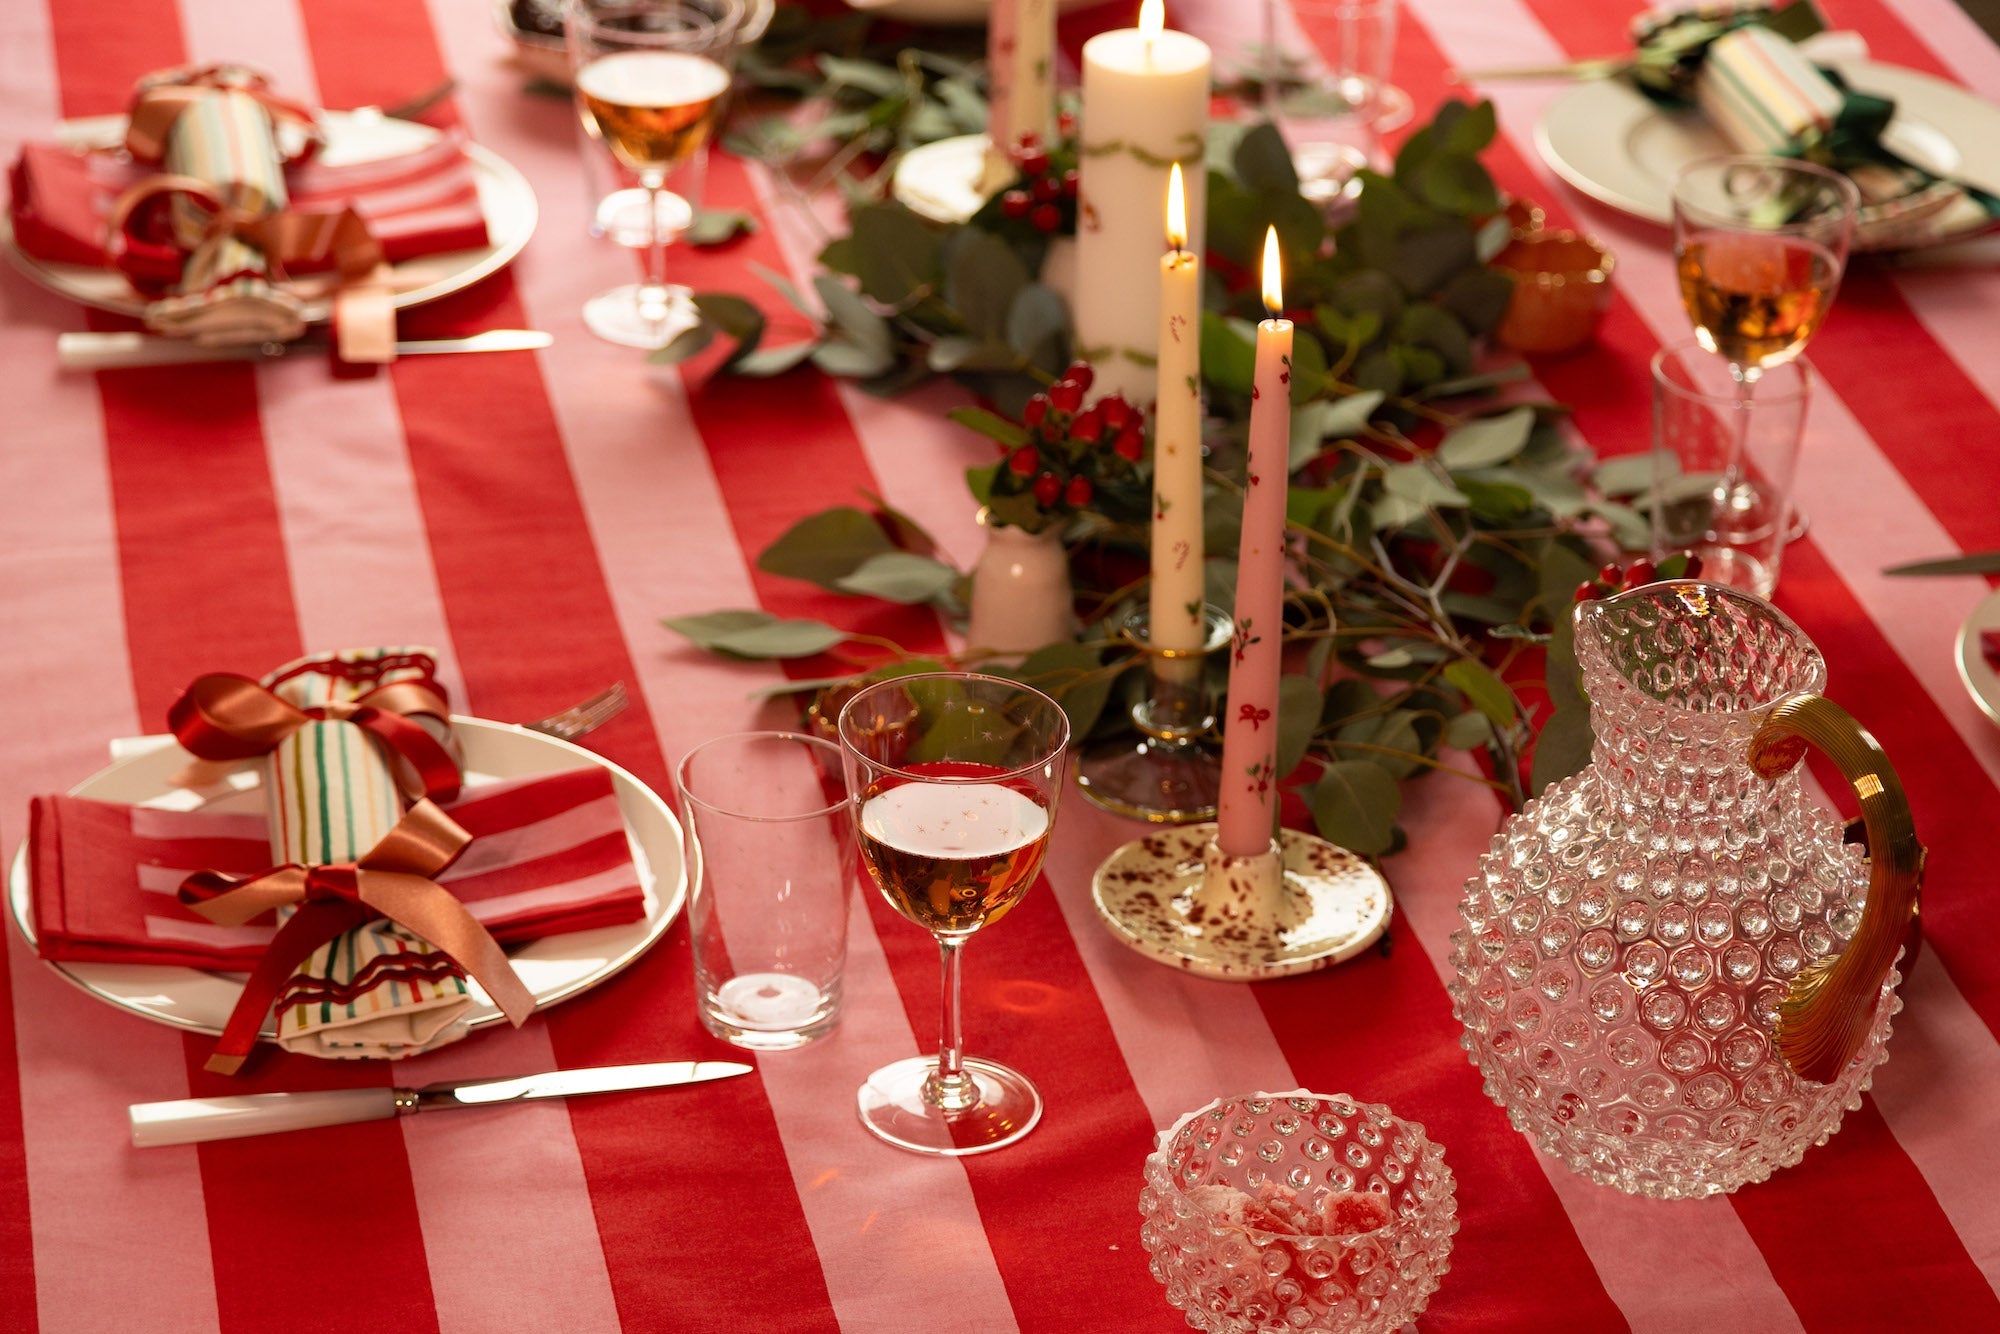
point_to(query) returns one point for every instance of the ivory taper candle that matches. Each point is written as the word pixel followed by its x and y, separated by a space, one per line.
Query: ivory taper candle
pixel 1175 617
pixel 1245 812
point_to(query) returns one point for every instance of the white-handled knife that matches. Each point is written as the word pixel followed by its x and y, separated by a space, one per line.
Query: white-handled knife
pixel 192 1120
pixel 110 351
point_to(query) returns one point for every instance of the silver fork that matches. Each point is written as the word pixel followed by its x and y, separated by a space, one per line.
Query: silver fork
pixel 577 719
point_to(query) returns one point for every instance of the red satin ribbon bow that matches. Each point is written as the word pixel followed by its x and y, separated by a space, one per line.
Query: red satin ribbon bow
pixel 393 880
pixel 290 240
pixel 223 716
pixel 164 96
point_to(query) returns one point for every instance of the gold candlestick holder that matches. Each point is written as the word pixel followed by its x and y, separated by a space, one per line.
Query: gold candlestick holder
pixel 1172 774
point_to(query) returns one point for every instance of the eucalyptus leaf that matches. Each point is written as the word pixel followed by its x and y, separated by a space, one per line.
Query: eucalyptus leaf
pixel 1626 475
pixel 1355 804
pixel 1346 416
pixel 755 634
pixel 1298 718
pixel 900 576
pixel 1418 483
pixel 767 361
pixel 1485 441
pixel 983 275
pixel 1488 693
pixel 1228 352
pixel 1562 748
pixel 825 548
pixel 1263 162
pixel 881 80
pixel 687 343
pixel 851 315
pixel 851 360
pixel 1629 528
pixel 1073 676
pixel 713 226
pixel 891 250
pixel 1036 322
pixel 785 288
pixel 1468 730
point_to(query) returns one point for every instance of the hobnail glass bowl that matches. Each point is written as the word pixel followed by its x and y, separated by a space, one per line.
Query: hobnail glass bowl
pixel 1233 1278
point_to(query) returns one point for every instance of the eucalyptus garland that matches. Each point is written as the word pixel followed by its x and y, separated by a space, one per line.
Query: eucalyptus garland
pixel 1438 538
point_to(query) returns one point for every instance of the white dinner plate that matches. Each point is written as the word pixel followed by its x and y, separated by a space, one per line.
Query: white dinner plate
pixel 352 136
pixel 553 968
pixel 1610 141
pixel 1973 669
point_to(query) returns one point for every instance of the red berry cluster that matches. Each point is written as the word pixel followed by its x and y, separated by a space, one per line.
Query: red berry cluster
pixel 1045 195
pixel 1611 579
pixel 1072 449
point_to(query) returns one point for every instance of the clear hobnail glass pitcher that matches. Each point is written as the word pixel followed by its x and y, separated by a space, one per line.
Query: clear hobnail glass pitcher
pixel 1673 973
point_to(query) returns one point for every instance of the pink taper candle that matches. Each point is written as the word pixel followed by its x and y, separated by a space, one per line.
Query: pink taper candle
pixel 1244 818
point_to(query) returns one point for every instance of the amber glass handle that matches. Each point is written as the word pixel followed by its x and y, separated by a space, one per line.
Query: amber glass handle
pixel 1826 1014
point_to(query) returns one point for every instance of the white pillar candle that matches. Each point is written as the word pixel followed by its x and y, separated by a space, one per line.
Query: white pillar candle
pixel 1246 811
pixel 1145 106
pixel 1175 615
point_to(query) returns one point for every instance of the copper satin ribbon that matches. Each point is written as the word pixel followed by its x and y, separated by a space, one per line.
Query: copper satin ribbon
pixel 223 716
pixel 288 239
pixel 393 880
pixel 159 105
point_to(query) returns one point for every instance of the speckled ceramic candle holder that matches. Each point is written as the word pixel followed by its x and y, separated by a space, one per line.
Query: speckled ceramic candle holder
pixel 1305 904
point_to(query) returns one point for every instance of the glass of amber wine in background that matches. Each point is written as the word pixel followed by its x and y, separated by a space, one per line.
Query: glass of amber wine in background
pixel 652 79
pixel 954 779
pixel 1760 244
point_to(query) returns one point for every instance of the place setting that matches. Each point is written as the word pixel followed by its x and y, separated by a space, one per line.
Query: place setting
pixel 1401 701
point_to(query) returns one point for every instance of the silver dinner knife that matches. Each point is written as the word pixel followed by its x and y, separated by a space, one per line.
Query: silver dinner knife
pixel 109 351
pixel 192 1120
pixel 1976 562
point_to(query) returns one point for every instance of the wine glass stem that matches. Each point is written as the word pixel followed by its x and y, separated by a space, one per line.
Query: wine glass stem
pixel 951 1089
pixel 1746 377
pixel 653 295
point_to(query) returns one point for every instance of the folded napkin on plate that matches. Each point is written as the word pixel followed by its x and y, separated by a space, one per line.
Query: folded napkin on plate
pixel 332 793
pixel 215 229
pixel 1765 95
pixel 371 954
pixel 415 204
pixel 549 854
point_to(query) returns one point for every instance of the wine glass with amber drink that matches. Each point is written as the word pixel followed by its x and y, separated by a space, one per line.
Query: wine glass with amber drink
pixel 1760 244
pixel 955 779
pixel 652 79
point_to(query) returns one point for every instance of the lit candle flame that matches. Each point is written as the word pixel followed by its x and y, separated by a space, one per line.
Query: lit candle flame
pixel 1152 18
pixel 1176 210
pixel 1274 295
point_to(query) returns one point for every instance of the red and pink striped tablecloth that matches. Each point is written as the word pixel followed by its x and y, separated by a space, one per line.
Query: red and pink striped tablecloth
pixel 535 515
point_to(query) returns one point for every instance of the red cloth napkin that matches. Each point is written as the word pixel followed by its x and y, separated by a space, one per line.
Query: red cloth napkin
pixel 421 203
pixel 549 854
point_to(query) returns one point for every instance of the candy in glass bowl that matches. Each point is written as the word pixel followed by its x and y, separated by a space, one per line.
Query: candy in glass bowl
pixel 1297 1212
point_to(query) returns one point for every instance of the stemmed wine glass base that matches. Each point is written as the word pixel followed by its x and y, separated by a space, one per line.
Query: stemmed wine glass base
pixel 894 1108
pixel 1150 779
pixel 639 316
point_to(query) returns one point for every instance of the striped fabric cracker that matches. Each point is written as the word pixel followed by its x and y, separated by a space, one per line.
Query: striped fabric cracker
pixel 331 797
pixel 1762 95
pixel 226 138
